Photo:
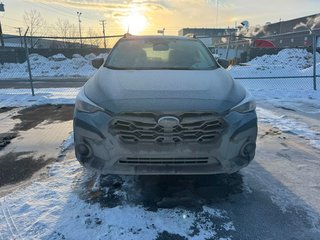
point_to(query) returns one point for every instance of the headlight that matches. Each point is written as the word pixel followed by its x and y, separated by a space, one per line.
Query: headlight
pixel 86 107
pixel 84 104
pixel 245 107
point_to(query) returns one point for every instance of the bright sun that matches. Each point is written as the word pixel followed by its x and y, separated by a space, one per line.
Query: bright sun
pixel 135 23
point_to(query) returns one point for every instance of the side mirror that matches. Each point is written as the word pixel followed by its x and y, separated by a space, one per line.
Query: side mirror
pixel 223 63
pixel 97 62
pixel 216 56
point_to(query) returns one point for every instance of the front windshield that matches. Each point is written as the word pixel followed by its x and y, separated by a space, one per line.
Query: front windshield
pixel 160 53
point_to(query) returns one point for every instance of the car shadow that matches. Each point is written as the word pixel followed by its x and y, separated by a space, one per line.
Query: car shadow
pixel 187 191
pixel 154 192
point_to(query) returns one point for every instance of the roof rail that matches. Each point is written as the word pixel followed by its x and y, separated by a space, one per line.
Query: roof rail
pixel 191 35
pixel 126 35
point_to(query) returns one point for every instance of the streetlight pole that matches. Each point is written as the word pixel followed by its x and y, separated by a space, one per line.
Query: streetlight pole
pixel 217 13
pixel 79 20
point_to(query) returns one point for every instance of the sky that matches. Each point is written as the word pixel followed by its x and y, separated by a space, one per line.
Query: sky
pixel 148 16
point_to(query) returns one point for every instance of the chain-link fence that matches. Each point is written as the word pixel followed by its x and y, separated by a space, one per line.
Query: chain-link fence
pixel 43 63
pixel 286 61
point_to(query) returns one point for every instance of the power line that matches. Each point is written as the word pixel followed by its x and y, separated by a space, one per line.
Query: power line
pixel 13 19
pixel 62 11
pixel 45 6
pixel 8 25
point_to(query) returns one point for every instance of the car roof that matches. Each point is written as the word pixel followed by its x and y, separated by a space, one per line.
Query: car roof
pixel 129 36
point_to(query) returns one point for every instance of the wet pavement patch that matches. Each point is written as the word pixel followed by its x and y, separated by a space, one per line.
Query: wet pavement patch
pixel 33 116
pixel 5 109
pixel 15 167
pixel 164 192
pixel 169 236
pixel 5 139
pixel 109 195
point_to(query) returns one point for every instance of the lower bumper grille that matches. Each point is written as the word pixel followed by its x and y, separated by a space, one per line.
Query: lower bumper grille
pixel 164 161
pixel 144 127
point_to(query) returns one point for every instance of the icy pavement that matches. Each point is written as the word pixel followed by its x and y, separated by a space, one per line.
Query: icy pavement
pixel 270 199
pixel 30 139
pixel 276 197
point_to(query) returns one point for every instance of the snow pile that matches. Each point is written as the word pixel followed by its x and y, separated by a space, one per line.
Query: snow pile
pixel 286 58
pixel 288 62
pixel 67 143
pixel 55 66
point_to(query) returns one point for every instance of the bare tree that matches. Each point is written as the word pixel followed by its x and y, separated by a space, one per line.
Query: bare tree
pixel 65 29
pixel 94 42
pixel 35 22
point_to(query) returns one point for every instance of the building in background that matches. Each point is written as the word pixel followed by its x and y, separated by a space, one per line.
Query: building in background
pixel 209 36
pixel 270 38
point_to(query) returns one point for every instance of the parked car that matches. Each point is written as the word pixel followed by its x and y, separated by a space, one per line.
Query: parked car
pixel 163 105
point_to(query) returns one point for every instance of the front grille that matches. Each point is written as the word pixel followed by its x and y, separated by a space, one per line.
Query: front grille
pixel 166 161
pixel 144 128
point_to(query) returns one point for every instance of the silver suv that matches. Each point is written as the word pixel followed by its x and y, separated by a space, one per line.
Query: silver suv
pixel 163 105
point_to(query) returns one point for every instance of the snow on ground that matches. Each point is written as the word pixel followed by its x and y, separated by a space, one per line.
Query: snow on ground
pixel 52 209
pixel 288 125
pixel 23 97
pixel 54 66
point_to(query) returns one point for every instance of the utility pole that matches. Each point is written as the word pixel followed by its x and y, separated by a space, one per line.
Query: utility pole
pixel 104 33
pixel 79 20
pixel 19 30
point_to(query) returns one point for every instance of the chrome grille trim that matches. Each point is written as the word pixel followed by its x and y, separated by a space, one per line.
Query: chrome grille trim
pixel 144 128
pixel 164 161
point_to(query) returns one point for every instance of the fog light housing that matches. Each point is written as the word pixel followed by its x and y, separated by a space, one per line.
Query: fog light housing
pixel 248 149
pixel 83 150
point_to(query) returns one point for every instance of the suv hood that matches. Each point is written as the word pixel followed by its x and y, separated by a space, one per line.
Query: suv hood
pixel 164 90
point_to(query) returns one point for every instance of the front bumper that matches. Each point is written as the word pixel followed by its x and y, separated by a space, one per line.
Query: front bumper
pixel 107 154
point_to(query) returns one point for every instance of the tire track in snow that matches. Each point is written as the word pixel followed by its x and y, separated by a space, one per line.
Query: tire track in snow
pixel 15 233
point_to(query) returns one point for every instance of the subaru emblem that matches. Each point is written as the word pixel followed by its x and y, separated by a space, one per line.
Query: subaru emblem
pixel 168 121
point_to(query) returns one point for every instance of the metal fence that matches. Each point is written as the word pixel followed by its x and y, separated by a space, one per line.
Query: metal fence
pixel 42 63
pixel 287 61
pixel 58 62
